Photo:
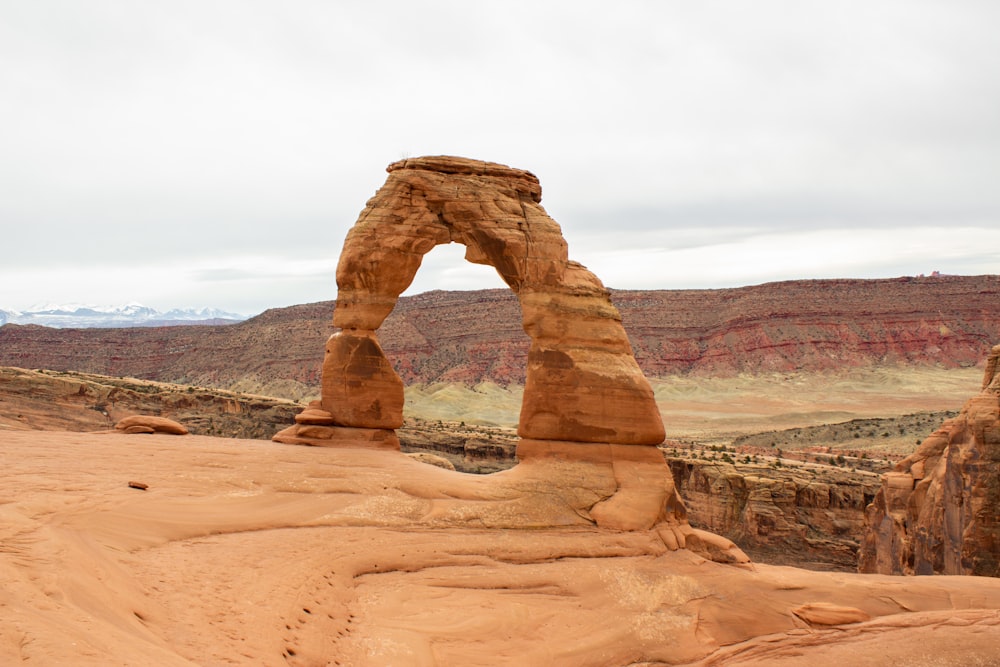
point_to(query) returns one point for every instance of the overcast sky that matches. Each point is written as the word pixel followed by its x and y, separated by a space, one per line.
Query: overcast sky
pixel 215 153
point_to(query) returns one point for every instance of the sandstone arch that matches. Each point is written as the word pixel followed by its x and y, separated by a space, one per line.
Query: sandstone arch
pixel 582 383
pixel 589 424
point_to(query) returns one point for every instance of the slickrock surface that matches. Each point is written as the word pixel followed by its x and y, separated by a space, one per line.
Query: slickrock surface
pixel 473 337
pixel 938 512
pixel 253 553
pixel 779 516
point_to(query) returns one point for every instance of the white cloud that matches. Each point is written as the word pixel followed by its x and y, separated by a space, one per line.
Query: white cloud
pixel 769 256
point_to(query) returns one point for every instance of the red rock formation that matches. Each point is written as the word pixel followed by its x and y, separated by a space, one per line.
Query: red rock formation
pixel 150 424
pixel 938 512
pixel 359 386
pixel 582 384
pixel 813 325
pixel 61 401
pixel 789 515
pixel 470 337
pixel 589 424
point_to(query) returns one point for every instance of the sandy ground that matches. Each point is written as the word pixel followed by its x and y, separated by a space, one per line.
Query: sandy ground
pixel 252 553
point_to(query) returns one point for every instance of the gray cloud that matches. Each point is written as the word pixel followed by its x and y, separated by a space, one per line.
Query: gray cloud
pixel 190 132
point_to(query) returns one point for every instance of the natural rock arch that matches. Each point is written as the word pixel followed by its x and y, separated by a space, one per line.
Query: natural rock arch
pixel 589 424
pixel 582 382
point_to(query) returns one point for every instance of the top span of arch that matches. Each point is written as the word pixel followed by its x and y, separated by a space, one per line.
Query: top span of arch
pixel 445 164
pixel 491 209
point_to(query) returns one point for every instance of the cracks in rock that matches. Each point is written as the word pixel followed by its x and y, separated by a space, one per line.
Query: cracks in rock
pixel 892 600
pixel 585 514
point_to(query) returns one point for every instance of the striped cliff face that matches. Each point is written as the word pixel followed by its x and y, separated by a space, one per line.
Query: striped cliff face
pixel 477 336
pixel 938 512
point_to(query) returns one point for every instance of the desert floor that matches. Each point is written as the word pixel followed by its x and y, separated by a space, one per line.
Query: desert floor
pixel 254 553
pixel 718 409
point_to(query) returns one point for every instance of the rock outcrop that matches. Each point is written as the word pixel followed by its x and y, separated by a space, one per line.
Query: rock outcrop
pixel 938 512
pixel 150 424
pixel 807 516
pixel 589 424
pixel 62 401
pixel 582 384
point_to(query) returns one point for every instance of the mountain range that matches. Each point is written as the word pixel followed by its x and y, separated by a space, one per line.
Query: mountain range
pixel 129 315
pixel 473 337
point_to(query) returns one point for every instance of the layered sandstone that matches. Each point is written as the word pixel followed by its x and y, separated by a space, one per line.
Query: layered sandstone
pixel 589 423
pixel 582 383
pixel 938 512
pixel 816 325
pixel 803 515
pixel 472 337
pixel 62 401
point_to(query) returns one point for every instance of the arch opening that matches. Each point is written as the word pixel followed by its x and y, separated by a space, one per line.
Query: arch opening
pixel 444 267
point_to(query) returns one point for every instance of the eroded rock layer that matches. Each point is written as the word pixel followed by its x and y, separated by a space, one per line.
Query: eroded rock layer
pixel 938 512
pixel 582 385
pixel 589 422
pixel 470 337
pixel 812 517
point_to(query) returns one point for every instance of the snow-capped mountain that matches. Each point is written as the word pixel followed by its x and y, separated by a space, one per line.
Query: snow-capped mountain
pixel 82 316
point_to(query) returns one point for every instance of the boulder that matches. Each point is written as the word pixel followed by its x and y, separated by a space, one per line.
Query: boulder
pixel 149 424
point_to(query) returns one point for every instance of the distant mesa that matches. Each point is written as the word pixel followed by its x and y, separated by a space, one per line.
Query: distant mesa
pixel 938 511
pixel 588 416
pixel 475 337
